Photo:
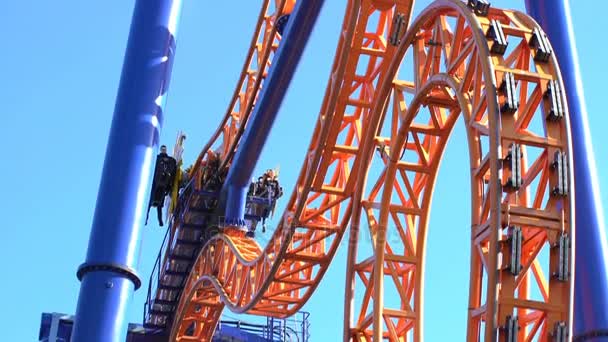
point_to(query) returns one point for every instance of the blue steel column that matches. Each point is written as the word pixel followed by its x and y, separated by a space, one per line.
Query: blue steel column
pixel 108 276
pixel 292 45
pixel 591 255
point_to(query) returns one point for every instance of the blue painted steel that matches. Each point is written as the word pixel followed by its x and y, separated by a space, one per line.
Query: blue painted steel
pixel 138 117
pixel 591 277
pixel 294 328
pixel 64 324
pixel 288 55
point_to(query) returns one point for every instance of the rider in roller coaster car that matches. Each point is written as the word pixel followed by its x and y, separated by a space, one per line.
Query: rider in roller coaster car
pixel 267 186
pixel 162 184
pixel 212 177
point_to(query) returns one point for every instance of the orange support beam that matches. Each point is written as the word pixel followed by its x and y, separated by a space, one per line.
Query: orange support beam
pixel 460 65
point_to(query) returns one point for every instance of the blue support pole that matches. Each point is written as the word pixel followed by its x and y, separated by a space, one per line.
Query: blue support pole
pixel 591 255
pixel 108 276
pixel 292 45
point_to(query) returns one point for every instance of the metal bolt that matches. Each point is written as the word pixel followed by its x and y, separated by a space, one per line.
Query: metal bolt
pixel 109 284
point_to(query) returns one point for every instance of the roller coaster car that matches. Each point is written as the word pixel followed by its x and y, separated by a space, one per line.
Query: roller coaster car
pixel 164 176
pixel 481 7
pixel 261 200
pixel 212 177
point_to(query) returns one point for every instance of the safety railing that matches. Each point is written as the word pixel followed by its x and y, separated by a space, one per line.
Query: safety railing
pixel 154 280
pixel 292 329
pixel 155 277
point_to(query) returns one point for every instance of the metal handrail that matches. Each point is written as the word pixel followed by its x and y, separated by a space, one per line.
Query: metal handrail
pixel 163 248
pixel 183 199
pixel 295 326
pixel 155 271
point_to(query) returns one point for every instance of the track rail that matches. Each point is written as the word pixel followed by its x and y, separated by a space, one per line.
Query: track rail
pixel 278 279
pixel 259 58
pixel 223 142
pixel 451 72
pixel 371 119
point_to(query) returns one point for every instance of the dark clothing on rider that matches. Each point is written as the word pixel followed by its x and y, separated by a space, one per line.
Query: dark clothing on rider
pixel 165 171
pixel 252 189
pixel 158 201
pixel 278 190
pixel 164 176
pixel 282 23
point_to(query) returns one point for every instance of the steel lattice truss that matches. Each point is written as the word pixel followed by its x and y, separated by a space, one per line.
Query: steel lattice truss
pixel 394 94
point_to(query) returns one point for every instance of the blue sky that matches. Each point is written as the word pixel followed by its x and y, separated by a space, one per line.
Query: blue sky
pixel 60 69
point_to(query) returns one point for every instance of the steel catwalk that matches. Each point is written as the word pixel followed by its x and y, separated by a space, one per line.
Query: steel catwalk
pixel 591 249
pixel 108 276
pixel 267 107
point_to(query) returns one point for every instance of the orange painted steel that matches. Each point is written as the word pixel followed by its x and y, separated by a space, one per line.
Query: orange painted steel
pixel 263 47
pixel 224 140
pixel 391 102
pixel 450 71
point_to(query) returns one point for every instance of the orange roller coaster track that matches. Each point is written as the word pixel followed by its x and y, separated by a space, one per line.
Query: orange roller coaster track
pixel 394 94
